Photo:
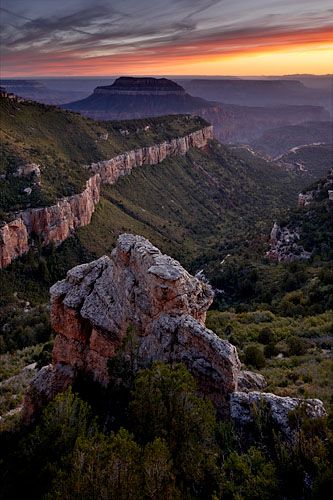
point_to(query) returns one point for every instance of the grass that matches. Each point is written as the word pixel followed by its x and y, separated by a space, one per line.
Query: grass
pixel 309 374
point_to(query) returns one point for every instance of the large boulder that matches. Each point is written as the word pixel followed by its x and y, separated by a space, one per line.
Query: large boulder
pixel 243 406
pixel 138 287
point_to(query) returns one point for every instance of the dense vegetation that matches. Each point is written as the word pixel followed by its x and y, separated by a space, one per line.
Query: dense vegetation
pixel 160 441
pixel 62 142
pixel 277 141
pixel 149 435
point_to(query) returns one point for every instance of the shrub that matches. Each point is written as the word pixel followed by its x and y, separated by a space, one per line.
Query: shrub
pixel 254 357
pixel 249 476
pixel 270 350
pixel 297 346
pixel 266 336
pixel 165 405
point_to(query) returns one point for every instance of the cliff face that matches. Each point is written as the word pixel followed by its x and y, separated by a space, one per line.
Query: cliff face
pixel 55 223
pixel 111 170
pixel 140 287
pixel 13 241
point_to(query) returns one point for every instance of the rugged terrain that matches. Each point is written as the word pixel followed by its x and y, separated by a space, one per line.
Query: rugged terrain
pixel 142 289
pixel 278 141
pixel 128 329
pixel 129 98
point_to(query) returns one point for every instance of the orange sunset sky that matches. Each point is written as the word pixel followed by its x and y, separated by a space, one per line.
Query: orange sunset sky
pixel 144 37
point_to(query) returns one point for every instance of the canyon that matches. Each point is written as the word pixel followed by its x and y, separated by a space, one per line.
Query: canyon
pixel 53 224
pixel 131 98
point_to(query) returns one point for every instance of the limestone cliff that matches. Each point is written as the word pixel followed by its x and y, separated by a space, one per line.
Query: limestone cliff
pixel 13 241
pixel 140 287
pixel 55 223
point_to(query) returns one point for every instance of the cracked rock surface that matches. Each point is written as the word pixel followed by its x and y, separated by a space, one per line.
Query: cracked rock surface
pixel 139 287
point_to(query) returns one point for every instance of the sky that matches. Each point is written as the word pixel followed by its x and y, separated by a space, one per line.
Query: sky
pixel 165 37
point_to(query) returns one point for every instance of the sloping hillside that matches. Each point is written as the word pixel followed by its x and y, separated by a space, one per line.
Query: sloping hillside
pixel 313 161
pixel 277 141
pixel 189 206
pixel 61 143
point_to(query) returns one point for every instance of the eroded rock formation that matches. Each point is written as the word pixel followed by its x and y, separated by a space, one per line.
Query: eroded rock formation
pixel 284 245
pixel 55 223
pixel 140 287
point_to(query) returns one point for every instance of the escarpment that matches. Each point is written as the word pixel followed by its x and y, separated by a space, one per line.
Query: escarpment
pixel 165 307
pixel 55 223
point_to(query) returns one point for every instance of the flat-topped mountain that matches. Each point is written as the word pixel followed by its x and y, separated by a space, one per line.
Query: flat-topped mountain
pixel 141 86
pixel 137 98
pixel 129 98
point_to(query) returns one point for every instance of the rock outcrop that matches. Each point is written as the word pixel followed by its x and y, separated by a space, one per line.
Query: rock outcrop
pixel 14 241
pixel 242 406
pixel 55 223
pixel 140 287
pixel 249 381
pixel 314 209
pixel 284 245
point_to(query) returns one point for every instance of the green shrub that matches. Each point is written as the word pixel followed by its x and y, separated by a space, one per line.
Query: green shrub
pixel 254 357
pixel 266 336
pixel 297 346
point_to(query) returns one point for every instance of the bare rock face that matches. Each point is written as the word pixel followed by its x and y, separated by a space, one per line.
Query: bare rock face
pixel 138 286
pixel 55 223
pixel 29 169
pixel 249 381
pixel 13 241
pixel 242 405
pixel 48 382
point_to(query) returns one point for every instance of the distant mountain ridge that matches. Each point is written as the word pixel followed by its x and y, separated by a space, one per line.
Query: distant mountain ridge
pixel 129 98
pixel 141 86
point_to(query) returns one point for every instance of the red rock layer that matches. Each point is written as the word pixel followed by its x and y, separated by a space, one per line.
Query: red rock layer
pixel 13 241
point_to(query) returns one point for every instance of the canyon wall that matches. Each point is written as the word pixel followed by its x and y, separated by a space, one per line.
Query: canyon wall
pixel 55 223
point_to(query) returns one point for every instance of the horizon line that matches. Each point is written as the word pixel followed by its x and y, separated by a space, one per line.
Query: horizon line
pixel 165 75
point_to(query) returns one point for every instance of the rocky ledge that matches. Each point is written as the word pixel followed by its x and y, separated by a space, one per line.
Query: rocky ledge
pixel 284 245
pixel 139 287
pixel 55 223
